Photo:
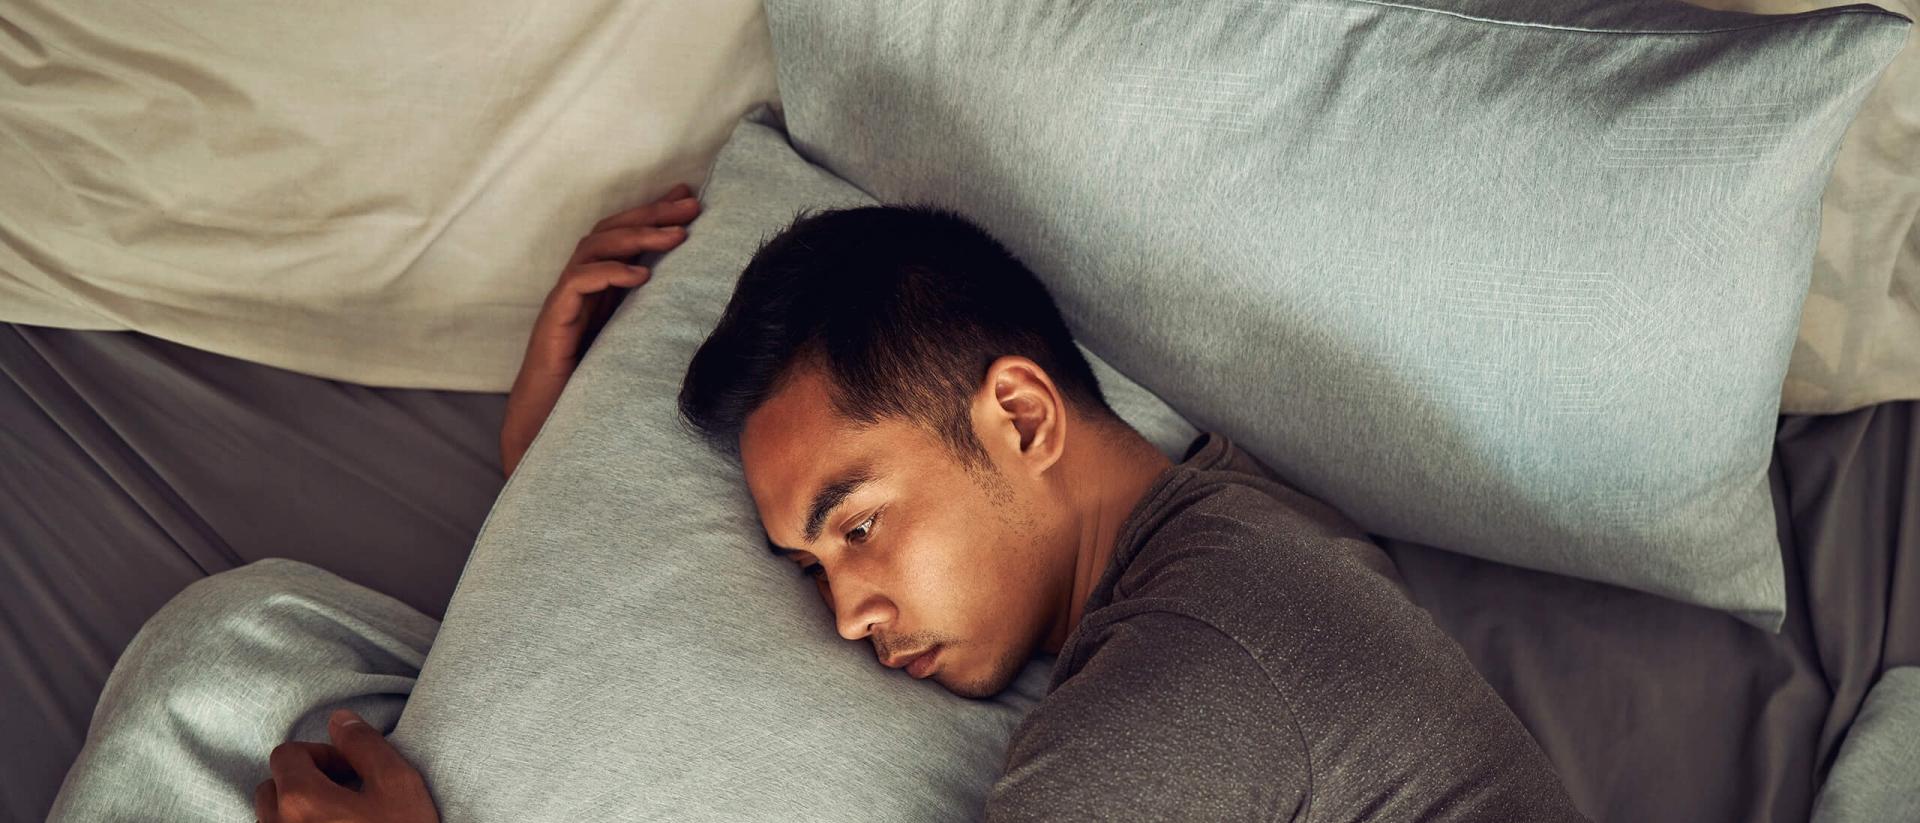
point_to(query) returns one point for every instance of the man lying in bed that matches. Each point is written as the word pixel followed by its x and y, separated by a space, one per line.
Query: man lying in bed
pixel 920 434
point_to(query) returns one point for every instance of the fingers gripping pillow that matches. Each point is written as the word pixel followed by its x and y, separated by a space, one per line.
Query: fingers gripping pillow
pixel 622 646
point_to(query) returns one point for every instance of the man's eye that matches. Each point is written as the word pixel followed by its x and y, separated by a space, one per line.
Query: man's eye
pixel 814 570
pixel 859 534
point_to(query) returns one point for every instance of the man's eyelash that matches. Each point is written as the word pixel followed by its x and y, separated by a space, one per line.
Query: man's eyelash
pixel 815 570
pixel 866 524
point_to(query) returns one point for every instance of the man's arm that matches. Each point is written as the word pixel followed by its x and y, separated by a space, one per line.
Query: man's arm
pixel 1168 720
pixel 585 296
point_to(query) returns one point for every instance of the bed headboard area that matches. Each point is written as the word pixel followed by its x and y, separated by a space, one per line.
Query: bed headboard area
pixel 373 195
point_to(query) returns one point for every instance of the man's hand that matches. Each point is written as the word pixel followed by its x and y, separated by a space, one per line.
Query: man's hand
pixel 304 788
pixel 588 291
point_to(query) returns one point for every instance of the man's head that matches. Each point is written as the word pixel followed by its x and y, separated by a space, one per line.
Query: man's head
pixel 900 390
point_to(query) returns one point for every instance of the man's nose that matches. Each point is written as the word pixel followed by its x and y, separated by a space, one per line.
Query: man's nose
pixel 859 613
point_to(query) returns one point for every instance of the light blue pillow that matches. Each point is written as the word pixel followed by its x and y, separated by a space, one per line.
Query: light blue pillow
pixel 622 644
pixel 1515 279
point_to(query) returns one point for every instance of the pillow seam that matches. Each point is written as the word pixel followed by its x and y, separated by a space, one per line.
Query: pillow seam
pixel 1780 19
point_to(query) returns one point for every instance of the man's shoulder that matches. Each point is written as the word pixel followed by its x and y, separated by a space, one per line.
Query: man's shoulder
pixel 1229 541
pixel 1299 588
pixel 1237 582
pixel 1233 597
pixel 1218 464
pixel 1164 717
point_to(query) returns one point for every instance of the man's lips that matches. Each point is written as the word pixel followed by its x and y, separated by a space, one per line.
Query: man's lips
pixel 918 664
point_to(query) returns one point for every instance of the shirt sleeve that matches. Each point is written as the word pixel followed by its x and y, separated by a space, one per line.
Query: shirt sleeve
pixel 1169 719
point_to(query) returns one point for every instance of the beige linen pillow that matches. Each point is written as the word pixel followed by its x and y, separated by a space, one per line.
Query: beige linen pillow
pixel 1860 328
pixel 377 192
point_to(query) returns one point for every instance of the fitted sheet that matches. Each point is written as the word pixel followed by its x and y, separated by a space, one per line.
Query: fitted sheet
pixel 133 466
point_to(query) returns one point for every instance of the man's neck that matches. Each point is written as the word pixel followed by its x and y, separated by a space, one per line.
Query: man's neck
pixel 1108 480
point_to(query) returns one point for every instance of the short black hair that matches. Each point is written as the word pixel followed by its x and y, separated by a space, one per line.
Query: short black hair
pixel 904 305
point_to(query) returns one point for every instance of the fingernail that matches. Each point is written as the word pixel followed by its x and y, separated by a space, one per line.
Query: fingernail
pixel 683 201
pixel 346 717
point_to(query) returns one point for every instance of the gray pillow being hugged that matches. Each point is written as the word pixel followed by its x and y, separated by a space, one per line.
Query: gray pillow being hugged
pixel 621 642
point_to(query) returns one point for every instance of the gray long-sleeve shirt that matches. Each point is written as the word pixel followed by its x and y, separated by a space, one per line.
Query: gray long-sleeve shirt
pixel 1250 654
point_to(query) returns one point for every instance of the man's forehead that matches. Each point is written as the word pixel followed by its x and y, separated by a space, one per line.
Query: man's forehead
pixel 800 405
pixel 791 447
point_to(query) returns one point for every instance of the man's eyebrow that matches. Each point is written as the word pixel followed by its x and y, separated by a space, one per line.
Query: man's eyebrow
pixel 777 549
pixel 831 495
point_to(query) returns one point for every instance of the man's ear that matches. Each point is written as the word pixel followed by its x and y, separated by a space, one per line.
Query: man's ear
pixel 1020 410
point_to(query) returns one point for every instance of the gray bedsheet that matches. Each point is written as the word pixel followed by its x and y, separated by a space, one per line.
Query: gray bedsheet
pixel 1657 711
pixel 130 467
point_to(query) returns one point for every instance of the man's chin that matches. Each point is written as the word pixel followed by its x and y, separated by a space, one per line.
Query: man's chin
pixel 972 690
pixel 976 687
